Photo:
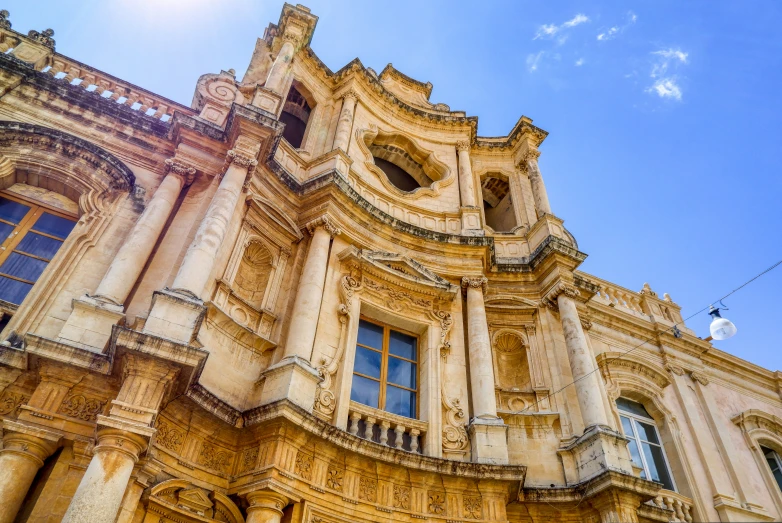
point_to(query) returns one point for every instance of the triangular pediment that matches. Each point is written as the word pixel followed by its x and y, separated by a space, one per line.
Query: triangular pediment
pixel 275 217
pixel 195 498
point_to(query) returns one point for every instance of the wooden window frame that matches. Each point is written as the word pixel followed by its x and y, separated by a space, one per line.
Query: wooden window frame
pixel 381 402
pixel 25 225
pixel 639 442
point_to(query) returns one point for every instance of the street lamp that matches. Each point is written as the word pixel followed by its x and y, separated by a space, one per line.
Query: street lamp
pixel 720 328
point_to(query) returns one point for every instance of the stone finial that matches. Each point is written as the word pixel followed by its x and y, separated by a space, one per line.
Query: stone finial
pixel 475 282
pixel 44 38
pixel 647 290
pixel 4 22
pixel 667 297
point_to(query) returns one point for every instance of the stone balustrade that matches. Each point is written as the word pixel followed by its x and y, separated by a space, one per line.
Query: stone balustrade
pixel 621 298
pixel 7 41
pixel 681 506
pixel 386 428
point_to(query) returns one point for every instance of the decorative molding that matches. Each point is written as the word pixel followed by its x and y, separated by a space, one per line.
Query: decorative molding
pixel 303 466
pixel 436 503
pixel 401 497
pixel 44 37
pixel 473 507
pixel 213 458
pixel 10 402
pixel 367 489
pixel 335 477
pixel 632 365
pixel 82 407
pixel 699 377
pixel 455 440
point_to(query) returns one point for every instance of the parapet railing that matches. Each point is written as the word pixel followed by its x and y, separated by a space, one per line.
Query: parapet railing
pixel 681 506
pixel 386 428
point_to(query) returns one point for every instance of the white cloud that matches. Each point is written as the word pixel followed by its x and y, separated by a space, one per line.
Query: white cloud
pixel 549 30
pixel 666 88
pixel 673 53
pixel 579 62
pixel 666 59
pixel 533 60
pixel 614 31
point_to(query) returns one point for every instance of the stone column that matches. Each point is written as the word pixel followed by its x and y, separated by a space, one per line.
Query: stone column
pixel 530 165
pixel 199 261
pixel 487 431
pixel 582 363
pixel 265 506
pixel 134 253
pixel 484 404
pixel 345 122
pixel 24 451
pixel 306 308
pixel 466 181
pixel 276 79
pixel 102 488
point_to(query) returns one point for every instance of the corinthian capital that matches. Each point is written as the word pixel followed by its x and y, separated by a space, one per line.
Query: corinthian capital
pixel 463 145
pixel 323 222
pixel 242 159
pixel 550 298
pixel 350 94
pixel 475 282
pixel 181 169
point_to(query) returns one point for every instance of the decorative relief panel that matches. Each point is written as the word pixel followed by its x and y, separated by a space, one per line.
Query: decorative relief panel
pixel 367 489
pixel 303 466
pixel 82 407
pixel 215 458
pixel 11 401
pixel 473 507
pixel 168 436
pixel 401 497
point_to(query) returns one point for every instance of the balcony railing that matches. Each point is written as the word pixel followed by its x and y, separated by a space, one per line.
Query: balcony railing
pixel 387 429
pixel 681 506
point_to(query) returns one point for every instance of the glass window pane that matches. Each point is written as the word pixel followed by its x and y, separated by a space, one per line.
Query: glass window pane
pixel 402 345
pixel 658 471
pixel 5 231
pixel 39 245
pixel 12 211
pixel 647 432
pixel 367 362
pixel 627 426
pixel 401 372
pixel 365 391
pixel 54 225
pixel 23 266
pixel 632 407
pixel 13 291
pixel 400 401
pixel 370 334
pixel 773 462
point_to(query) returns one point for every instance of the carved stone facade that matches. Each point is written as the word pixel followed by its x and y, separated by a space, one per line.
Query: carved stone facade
pixel 193 351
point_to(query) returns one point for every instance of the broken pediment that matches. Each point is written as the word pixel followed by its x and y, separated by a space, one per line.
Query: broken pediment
pixel 275 217
pixel 409 90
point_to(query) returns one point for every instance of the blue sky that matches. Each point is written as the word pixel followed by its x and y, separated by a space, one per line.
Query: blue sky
pixel 663 153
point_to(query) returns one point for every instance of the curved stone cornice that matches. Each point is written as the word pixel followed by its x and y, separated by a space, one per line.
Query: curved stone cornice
pixel 634 367
pixel 23 134
pixel 756 423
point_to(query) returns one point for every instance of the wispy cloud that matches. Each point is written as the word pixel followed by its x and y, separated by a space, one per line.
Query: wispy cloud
pixel 614 31
pixel 549 30
pixel 579 62
pixel 665 64
pixel 533 60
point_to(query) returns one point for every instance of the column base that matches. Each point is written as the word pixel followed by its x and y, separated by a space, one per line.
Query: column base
pixel 489 440
pixel 89 325
pixel 267 100
pixel 292 378
pixel 597 450
pixel 471 222
pixel 174 316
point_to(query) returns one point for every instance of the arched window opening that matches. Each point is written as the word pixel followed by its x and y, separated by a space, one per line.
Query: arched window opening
pixel 774 462
pixel 401 169
pixel 253 274
pixel 34 224
pixel 497 204
pixel 646 446
pixel 295 115
pixel 512 363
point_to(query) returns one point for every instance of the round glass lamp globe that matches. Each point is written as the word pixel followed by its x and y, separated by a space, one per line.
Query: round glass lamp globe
pixel 722 329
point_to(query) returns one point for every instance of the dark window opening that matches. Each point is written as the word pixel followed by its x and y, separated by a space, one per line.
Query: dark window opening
pixel 401 169
pixel 295 114
pixel 498 205
pixel 396 175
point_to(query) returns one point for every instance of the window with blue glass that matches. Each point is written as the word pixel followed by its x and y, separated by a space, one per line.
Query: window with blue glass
pixel 31 235
pixel 385 373
pixel 646 449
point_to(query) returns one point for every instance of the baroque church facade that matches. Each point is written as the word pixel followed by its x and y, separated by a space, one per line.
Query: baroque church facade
pixel 316 296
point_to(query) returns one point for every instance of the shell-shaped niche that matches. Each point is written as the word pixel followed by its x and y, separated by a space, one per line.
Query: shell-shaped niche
pixel 508 342
pixel 512 363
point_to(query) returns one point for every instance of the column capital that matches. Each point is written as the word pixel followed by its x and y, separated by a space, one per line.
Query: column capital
pixel 242 159
pixel 323 222
pixel 111 439
pixel 559 288
pixel 463 145
pixel 267 503
pixel 31 442
pixel 531 155
pixel 351 94
pixel 474 282
pixel 181 169
pixel 152 368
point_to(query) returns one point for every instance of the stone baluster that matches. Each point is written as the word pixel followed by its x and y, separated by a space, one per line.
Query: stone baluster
pixel 385 426
pixel 582 364
pixel 199 261
pixel 479 347
pixel 399 432
pixel 265 506
pixel 414 434
pixel 24 451
pixel 530 165
pixel 466 180
pixel 355 417
pixel 275 81
pixel 306 307
pixel 369 427
pixel 345 122
pixel 134 253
